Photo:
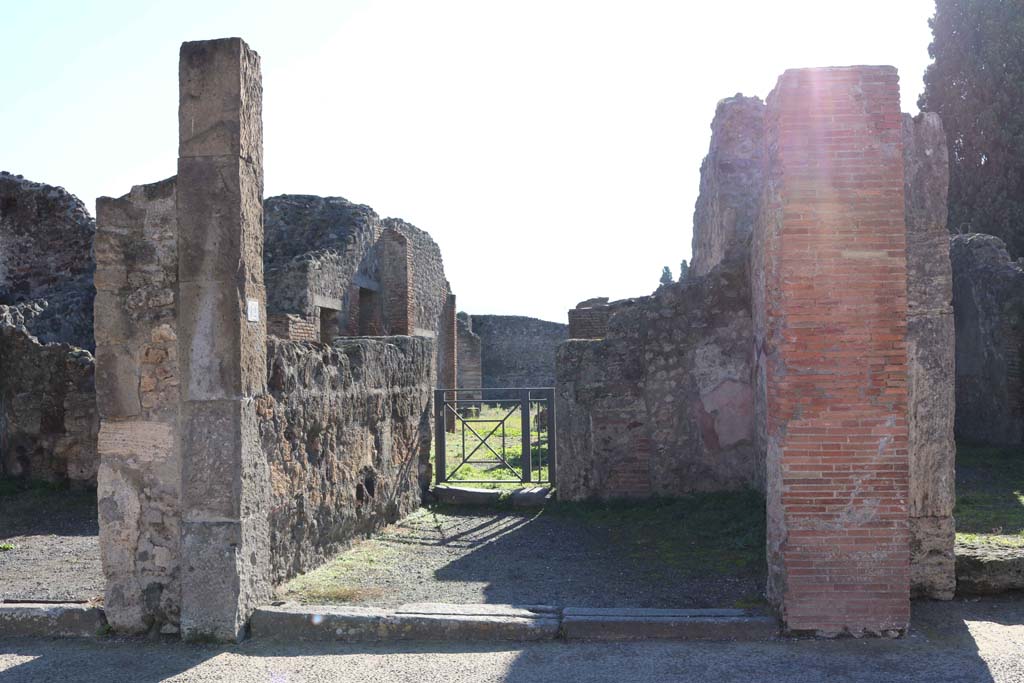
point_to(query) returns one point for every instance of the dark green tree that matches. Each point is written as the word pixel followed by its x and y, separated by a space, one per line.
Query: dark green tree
pixel 666 276
pixel 976 84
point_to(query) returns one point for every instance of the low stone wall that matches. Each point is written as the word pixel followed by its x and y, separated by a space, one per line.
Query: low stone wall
pixel 988 304
pixel 47 409
pixel 518 351
pixel 346 429
pixel 663 405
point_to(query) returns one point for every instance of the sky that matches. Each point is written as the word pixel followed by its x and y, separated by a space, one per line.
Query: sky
pixel 552 148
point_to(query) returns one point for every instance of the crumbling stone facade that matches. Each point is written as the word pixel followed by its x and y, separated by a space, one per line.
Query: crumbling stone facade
pixel 731 178
pixel 589 320
pixel 215 482
pixel 517 351
pixel 46 260
pixel 988 303
pixel 343 428
pixel 663 404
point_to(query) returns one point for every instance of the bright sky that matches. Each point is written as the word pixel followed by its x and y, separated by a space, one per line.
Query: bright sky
pixel 552 148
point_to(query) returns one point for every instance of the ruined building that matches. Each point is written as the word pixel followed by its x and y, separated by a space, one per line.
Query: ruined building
pixel 517 351
pixel 48 417
pixel 808 354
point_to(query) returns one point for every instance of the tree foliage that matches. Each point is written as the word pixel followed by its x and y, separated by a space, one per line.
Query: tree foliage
pixel 976 85
pixel 666 276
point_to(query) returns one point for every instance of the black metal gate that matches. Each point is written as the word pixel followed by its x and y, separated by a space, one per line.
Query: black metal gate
pixel 507 439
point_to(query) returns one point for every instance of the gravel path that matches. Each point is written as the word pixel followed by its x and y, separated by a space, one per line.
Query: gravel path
pixel 469 555
pixel 980 642
pixel 56 554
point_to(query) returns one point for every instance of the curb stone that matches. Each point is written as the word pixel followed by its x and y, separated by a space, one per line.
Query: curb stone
pixel 72 620
pixel 485 622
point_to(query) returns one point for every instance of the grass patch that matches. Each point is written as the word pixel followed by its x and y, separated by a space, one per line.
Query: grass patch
pixel 332 582
pixel 4 547
pixel 990 495
pixel 720 532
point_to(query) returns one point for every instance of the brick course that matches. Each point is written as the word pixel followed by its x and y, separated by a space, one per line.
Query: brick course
pixel 831 322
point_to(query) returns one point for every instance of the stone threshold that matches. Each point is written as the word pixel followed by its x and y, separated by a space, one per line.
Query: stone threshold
pixel 526 497
pixel 444 622
pixel 52 619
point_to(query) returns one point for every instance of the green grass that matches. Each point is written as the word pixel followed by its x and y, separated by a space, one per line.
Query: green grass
pixel 4 547
pixel 696 534
pixel 990 495
pixel 469 439
pixel 331 583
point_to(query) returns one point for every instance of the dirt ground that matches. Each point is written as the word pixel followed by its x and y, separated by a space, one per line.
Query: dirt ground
pixel 644 556
pixel 49 546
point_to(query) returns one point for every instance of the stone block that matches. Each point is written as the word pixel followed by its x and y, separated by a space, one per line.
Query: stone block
pixel 932 562
pixel 117 382
pixel 221 354
pixel 220 220
pixel 221 100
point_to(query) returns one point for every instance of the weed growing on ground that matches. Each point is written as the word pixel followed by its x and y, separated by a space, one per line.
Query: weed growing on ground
pixel 990 495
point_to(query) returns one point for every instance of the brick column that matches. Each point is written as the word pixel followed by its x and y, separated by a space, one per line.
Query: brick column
pixel 221 338
pixel 830 276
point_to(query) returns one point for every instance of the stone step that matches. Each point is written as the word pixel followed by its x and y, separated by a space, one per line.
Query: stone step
pixel 436 621
pixel 527 497
pixel 582 623
pixel 49 619
pixel 293 622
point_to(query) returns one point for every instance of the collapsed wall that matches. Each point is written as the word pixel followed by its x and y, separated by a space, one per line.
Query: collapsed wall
pixel 342 427
pixel 517 351
pixel 988 302
pixel 663 404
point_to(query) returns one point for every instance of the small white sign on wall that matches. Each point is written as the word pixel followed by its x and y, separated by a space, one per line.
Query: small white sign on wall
pixel 252 310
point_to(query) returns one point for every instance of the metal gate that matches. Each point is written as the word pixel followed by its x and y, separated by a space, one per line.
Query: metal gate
pixel 508 439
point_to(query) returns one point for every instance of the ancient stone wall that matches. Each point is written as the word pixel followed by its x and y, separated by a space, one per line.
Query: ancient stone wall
pixel 342 429
pixel 988 304
pixel 46 260
pixel 137 395
pixel 930 342
pixel 469 357
pixel 48 420
pixel 731 178
pixel 831 325
pixel 589 320
pixel 663 405
pixel 518 351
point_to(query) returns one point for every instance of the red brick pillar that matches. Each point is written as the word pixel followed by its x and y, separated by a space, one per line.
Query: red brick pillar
pixel 830 299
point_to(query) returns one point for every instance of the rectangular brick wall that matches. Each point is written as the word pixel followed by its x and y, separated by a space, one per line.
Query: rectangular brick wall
pixel 294 327
pixel 831 323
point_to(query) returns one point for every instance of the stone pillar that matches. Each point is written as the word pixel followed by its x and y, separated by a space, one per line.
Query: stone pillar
pixel 447 350
pixel 930 351
pixel 222 338
pixel 137 384
pixel 468 352
pixel 830 300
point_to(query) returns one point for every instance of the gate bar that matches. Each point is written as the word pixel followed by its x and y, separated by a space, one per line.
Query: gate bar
pixel 440 464
pixel 527 459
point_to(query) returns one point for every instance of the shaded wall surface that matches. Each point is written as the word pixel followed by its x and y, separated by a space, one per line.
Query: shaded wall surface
pixel 517 351
pixel 663 404
pixel 988 303
pixel 344 428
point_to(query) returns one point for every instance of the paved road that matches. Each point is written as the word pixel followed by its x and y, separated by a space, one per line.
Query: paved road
pixel 962 642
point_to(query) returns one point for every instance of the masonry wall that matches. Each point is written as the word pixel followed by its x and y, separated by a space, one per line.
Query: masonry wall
pixel 930 351
pixel 137 395
pixel 830 299
pixel 518 351
pixel 663 405
pixel 731 178
pixel 988 304
pixel 342 428
pixel 589 320
pixel 48 420
pixel 469 351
